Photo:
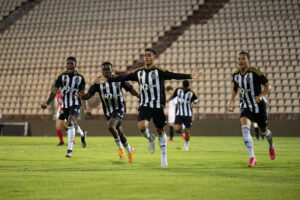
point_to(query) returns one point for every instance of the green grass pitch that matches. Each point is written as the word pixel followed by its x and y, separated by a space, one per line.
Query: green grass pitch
pixel 214 168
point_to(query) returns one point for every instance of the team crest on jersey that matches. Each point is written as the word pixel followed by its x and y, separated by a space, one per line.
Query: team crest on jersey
pixel 153 75
pixel 77 80
pixel 65 80
pixel 248 79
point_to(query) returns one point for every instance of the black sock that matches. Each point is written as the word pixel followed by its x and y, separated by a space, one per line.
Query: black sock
pixel 171 132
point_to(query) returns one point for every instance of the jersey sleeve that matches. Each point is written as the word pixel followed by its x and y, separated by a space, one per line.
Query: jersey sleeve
pixel 263 79
pixel 235 85
pixel 194 98
pixel 127 86
pixel 93 89
pixel 170 75
pixel 129 77
pixel 82 84
pixel 58 82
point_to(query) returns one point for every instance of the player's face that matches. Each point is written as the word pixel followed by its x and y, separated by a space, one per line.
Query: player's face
pixel 149 58
pixel 243 61
pixel 70 66
pixel 106 71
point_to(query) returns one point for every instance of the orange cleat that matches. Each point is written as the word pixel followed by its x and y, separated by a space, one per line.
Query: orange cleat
pixel 121 153
pixel 130 155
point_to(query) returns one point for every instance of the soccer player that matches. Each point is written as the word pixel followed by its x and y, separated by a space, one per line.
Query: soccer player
pixel 151 80
pixel 114 107
pixel 186 99
pixel 252 103
pixel 59 124
pixel 71 83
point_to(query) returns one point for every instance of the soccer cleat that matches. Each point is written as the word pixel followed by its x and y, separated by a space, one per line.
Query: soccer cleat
pixel 60 144
pixel 151 146
pixel 164 162
pixel 130 155
pixel 83 139
pixel 185 148
pixel 272 153
pixel 170 141
pixel 121 153
pixel 69 154
pixel 252 162
pixel 183 136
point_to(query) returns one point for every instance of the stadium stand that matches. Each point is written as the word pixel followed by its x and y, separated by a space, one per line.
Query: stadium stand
pixel 34 48
pixel 8 6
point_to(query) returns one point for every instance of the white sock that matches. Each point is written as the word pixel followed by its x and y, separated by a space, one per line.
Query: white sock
pixel 146 134
pixel 71 136
pixel 268 135
pixel 162 140
pixel 186 144
pixel 79 131
pixel 118 142
pixel 127 147
pixel 248 140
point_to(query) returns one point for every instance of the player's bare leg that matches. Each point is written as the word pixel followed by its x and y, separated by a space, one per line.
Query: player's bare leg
pixel 112 127
pixel 130 150
pixel 246 124
pixel 143 127
pixel 187 139
pixel 59 124
pixel 266 132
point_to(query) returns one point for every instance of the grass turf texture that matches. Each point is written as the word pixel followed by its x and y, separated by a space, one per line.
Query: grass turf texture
pixel 213 168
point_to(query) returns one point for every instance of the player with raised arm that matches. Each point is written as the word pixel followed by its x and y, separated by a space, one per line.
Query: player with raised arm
pixel 151 80
pixel 252 103
pixel 71 83
pixel 114 107
pixel 186 99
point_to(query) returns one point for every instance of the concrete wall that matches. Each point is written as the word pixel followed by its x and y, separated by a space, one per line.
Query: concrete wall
pixel 199 128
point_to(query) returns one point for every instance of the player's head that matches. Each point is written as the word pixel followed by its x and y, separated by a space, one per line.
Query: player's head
pixel 169 89
pixel 149 56
pixel 106 69
pixel 71 64
pixel 185 84
pixel 243 60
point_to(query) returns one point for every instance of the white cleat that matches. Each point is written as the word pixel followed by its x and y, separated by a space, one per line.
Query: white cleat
pixel 151 146
pixel 185 148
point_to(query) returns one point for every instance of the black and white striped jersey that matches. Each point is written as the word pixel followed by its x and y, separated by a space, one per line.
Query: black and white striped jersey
pixel 184 100
pixel 70 85
pixel 250 87
pixel 151 84
pixel 111 95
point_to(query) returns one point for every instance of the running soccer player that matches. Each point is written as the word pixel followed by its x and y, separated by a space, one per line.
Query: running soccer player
pixel 114 107
pixel 151 80
pixel 252 103
pixel 186 99
pixel 71 83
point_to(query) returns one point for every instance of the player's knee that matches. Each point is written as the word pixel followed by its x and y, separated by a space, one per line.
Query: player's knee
pixel 177 129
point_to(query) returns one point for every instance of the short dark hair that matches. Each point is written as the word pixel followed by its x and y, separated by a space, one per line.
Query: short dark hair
pixel 185 83
pixel 168 88
pixel 152 50
pixel 245 53
pixel 72 58
pixel 106 63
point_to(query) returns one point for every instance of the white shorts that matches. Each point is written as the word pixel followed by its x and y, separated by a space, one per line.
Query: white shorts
pixel 171 117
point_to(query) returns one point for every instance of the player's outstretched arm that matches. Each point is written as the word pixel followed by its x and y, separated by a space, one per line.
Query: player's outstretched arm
pixel 134 93
pixel 178 76
pixel 84 96
pixel 50 98
pixel 128 77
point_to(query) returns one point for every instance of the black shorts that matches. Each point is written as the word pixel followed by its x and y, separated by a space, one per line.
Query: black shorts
pixel 116 114
pixel 186 120
pixel 73 110
pixel 158 115
pixel 260 118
